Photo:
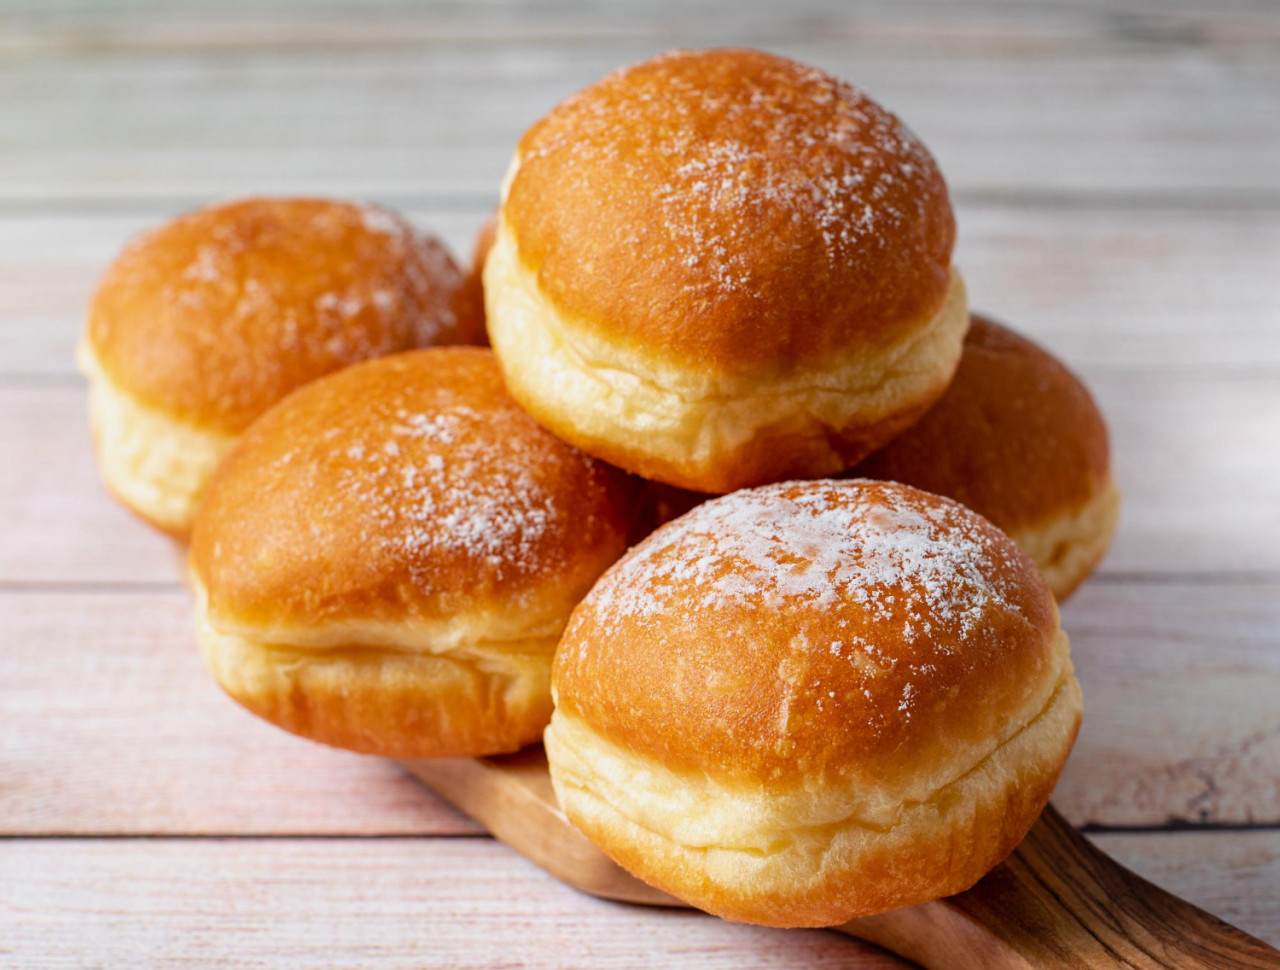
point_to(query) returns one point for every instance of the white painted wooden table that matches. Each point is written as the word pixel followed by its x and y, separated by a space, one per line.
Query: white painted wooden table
pixel 1116 169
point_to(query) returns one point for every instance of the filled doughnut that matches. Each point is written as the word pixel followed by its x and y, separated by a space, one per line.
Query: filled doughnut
pixel 202 324
pixel 387 558
pixel 813 701
pixel 722 268
pixel 1018 439
pixel 473 285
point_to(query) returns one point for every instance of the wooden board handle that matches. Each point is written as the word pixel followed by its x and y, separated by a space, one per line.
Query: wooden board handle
pixel 1055 902
pixel 1060 902
pixel 512 797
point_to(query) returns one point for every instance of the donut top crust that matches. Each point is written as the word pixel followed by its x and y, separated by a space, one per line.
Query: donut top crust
pixel 733 210
pixel 1016 437
pixel 409 487
pixel 811 632
pixel 216 315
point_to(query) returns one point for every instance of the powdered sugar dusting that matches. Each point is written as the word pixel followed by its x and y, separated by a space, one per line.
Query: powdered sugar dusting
pixel 434 490
pixel 268 293
pixel 379 220
pixel 430 480
pixel 782 151
pixel 879 551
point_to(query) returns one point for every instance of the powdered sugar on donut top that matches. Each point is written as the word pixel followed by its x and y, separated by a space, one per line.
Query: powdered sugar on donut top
pixel 782 152
pixel 440 485
pixel 884 551
pixel 411 266
pixel 428 479
pixel 270 291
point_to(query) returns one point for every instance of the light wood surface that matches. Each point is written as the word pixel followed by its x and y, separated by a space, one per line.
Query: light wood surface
pixel 414 902
pixel 1116 168
pixel 1056 901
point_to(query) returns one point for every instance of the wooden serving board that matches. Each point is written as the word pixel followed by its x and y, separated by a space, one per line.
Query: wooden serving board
pixel 1055 902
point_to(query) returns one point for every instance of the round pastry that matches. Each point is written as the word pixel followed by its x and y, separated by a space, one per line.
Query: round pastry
pixel 474 284
pixel 484 241
pixel 1018 439
pixel 203 323
pixel 722 268
pixel 813 701
pixel 387 559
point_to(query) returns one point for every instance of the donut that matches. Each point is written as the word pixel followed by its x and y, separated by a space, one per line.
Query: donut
pixel 203 323
pixel 1018 439
pixel 813 701
pixel 484 240
pixel 387 558
pixel 722 268
pixel 474 283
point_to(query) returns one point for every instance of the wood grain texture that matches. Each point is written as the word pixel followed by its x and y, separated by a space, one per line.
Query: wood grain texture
pixel 988 25
pixel 60 525
pixel 464 902
pixel 1195 459
pixel 1103 287
pixel 1057 900
pixel 1233 874
pixel 1167 123
pixel 112 726
pixel 387 903
pixel 1117 169
pixel 1182 723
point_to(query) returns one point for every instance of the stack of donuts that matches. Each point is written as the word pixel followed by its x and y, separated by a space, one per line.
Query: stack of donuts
pixel 744 513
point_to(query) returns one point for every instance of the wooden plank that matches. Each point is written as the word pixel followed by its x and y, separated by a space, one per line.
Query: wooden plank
pixel 88 26
pixel 1196 461
pixel 1235 875
pixel 1105 288
pixel 1232 874
pixel 1194 455
pixel 61 526
pixel 391 903
pixel 464 902
pixel 113 727
pixel 394 121
pixel 1181 721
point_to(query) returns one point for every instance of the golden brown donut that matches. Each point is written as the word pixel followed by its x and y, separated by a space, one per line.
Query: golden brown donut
pixel 722 268
pixel 474 283
pixel 1018 439
pixel 387 558
pixel 813 701
pixel 202 324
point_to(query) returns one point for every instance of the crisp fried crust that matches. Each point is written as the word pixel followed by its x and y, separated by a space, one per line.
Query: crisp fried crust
pixel 718 268
pixel 813 701
pixel 1018 439
pixel 387 558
